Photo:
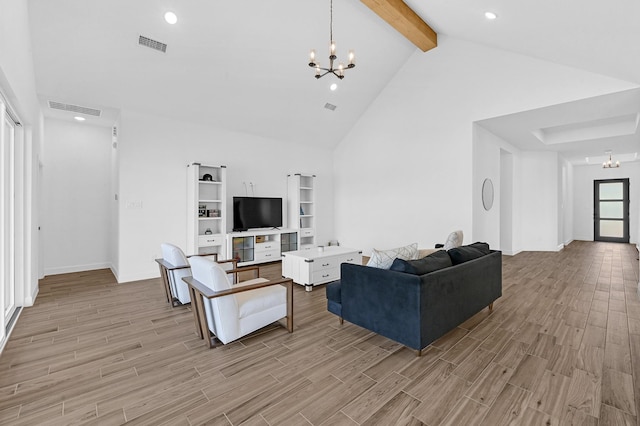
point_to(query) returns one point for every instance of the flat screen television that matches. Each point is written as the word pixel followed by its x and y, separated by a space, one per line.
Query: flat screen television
pixel 256 212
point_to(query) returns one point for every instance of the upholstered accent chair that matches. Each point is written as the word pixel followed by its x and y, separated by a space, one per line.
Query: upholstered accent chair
pixel 230 311
pixel 174 265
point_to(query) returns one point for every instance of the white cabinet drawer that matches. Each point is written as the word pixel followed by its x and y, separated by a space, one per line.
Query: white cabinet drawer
pixel 306 232
pixel 269 246
pixel 210 240
pixel 355 258
pixel 325 263
pixel 326 275
pixel 267 256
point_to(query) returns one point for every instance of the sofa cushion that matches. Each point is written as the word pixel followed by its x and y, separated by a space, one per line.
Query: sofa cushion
pixel 465 253
pixel 384 258
pixel 433 262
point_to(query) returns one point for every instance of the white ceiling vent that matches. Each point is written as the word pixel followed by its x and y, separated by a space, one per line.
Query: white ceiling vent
pixel 75 108
pixel 332 107
pixel 153 44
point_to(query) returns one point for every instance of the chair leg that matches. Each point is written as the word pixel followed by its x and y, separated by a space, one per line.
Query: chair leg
pixel 165 281
pixel 290 307
pixel 490 307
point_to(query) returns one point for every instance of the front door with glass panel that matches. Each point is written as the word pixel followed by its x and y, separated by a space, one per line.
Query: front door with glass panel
pixel 611 210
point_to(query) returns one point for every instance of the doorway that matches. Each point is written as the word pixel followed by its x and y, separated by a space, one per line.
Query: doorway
pixel 611 210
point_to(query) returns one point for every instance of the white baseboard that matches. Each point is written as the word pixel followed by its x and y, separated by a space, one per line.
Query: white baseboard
pixel 566 243
pixel 31 299
pixel 560 247
pixel 137 277
pixel 511 253
pixel 76 268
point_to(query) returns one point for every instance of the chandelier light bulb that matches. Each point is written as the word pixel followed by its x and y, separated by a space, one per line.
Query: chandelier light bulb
pixel 312 58
pixel 352 59
pixel 332 50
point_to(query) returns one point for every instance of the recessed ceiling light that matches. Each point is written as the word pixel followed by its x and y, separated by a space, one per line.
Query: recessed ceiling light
pixel 333 87
pixel 171 18
pixel 78 118
pixel 490 15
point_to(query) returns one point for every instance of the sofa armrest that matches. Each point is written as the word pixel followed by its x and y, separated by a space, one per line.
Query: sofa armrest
pixel 383 301
pixel 452 295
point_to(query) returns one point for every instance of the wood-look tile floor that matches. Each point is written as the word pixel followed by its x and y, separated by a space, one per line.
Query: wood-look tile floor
pixel 561 347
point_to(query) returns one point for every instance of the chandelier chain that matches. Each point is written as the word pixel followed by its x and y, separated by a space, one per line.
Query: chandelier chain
pixel 331 22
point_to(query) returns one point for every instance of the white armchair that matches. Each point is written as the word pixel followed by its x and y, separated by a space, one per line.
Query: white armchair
pixel 231 311
pixel 174 265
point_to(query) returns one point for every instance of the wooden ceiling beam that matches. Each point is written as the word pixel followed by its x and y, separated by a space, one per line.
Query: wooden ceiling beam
pixel 406 21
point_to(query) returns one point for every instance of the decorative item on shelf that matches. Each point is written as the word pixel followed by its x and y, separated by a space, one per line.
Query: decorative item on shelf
pixel 301 211
pixel 320 249
pixel 213 213
pixel 208 231
pixel 207 177
pixel 202 210
pixel 334 243
pixel 339 71
pixel 260 239
pixel 610 164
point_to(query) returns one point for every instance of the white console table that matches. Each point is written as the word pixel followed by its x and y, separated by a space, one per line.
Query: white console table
pixel 313 267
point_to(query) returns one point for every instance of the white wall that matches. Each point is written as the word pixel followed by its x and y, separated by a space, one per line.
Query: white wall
pixel 498 160
pixel 76 221
pixel 540 186
pixel 486 165
pixel 404 172
pixel 507 205
pixel 153 153
pixel 583 177
pixel 567 202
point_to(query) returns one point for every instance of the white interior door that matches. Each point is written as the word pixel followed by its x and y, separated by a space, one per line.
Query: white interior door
pixel 7 215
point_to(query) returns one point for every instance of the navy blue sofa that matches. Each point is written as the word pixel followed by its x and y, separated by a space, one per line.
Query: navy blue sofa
pixel 415 310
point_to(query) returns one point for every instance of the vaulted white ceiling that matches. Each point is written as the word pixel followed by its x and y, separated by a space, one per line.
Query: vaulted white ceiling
pixel 242 65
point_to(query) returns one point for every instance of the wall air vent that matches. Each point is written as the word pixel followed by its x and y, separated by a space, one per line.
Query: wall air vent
pixel 74 108
pixel 329 106
pixel 153 44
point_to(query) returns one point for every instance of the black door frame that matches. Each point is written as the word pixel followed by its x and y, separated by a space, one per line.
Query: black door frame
pixel 596 211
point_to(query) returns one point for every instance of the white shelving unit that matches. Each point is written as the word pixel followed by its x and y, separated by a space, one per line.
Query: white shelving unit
pixel 301 206
pixel 206 209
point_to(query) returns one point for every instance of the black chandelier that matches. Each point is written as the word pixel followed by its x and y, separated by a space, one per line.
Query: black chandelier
pixel 339 71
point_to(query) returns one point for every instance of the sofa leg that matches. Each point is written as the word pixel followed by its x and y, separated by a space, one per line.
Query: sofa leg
pixel 341 320
pixel 490 307
pixel 419 352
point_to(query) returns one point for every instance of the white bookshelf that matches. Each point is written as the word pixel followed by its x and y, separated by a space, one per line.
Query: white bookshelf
pixel 206 209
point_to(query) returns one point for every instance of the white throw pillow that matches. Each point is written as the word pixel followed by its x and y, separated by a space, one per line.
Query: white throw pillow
pixel 384 258
pixel 453 240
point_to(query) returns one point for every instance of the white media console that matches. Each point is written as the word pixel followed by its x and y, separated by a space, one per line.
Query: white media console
pixel 260 246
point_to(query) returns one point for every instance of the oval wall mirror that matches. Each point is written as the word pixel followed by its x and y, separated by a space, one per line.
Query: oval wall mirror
pixel 487 194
